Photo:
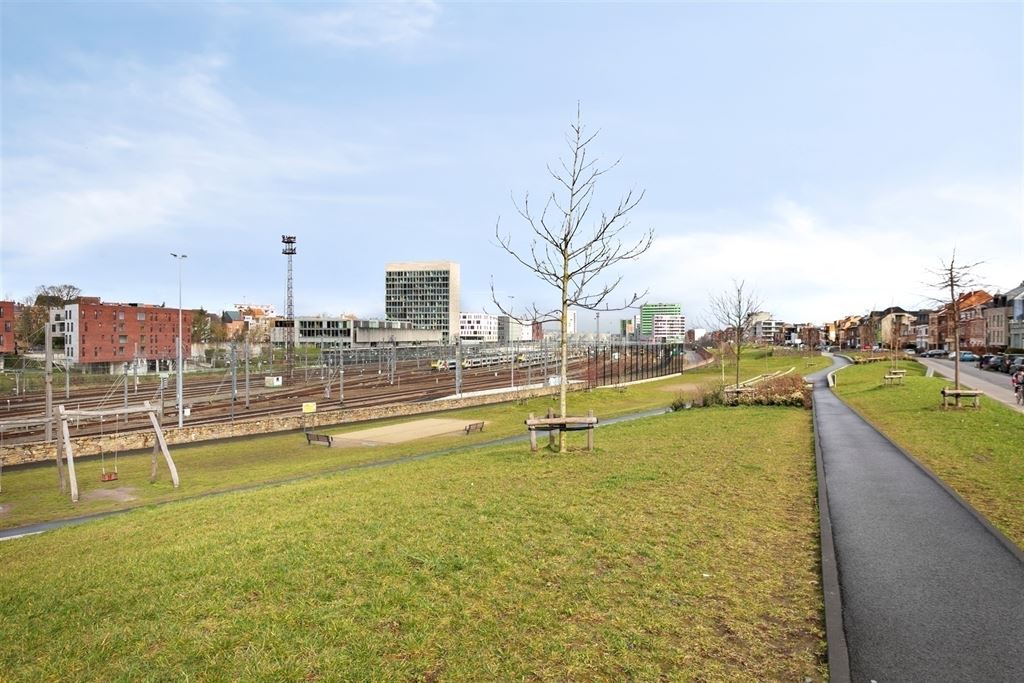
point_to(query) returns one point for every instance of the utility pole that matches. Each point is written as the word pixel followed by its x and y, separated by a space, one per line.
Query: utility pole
pixel 181 403
pixel 458 367
pixel 392 360
pixel 247 374
pixel 48 336
pixel 125 395
pixel 341 377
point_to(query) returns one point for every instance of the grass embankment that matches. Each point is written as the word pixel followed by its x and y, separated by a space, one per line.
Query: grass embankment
pixel 685 547
pixel 30 494
pixel 979 453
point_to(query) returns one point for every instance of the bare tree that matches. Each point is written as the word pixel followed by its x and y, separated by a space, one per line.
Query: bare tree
pixel 566 253
pixel 732 310
pixel 955 280
pixel 35 312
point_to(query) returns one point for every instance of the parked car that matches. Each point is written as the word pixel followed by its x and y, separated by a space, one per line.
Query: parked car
pixel 934 353
pixel 990 361
pixel 1013 364
pixel 968 357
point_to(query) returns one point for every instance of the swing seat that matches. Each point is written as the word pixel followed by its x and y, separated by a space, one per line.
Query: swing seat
pixel 108 476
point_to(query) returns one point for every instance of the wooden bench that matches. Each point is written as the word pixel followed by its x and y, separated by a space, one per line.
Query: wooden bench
pixel 957 394
pixel 325 439
pixel 893 379
pixel 553 425
pixel 474 427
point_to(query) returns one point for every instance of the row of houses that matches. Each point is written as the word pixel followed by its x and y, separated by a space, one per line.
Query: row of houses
pixel 979 321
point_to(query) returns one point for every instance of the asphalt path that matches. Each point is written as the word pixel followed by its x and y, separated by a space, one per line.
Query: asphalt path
pixel 929 592
pixel 995 384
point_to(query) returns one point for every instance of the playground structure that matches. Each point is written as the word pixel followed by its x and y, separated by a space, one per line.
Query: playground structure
pixel 65 451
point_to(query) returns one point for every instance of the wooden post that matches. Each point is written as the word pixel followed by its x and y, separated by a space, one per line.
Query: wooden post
pixel 552 433
pixel 533 437
pixel 70 454
pixel 590 433
pixel 162 443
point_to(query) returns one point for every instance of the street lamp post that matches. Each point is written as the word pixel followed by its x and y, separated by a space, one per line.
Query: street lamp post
pixel 181 405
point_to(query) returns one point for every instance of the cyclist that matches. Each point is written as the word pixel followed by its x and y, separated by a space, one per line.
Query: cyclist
pixel 1017 380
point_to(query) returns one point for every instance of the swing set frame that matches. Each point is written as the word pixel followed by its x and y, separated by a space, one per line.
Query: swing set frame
pixel 66 451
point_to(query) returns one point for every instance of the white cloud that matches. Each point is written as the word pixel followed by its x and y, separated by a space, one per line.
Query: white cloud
pixel 810 265
pixel 127 153
pixel 361 25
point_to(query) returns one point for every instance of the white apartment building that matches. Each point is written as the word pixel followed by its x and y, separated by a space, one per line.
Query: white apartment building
pixel 571 329
pixel 510 330
pixel 425 294
pixel 478 328
pixel 668 328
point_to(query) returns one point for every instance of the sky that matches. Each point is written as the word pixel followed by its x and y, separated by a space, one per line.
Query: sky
pixel 828 155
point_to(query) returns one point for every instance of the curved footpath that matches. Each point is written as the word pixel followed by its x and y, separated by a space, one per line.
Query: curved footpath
pixel 929 591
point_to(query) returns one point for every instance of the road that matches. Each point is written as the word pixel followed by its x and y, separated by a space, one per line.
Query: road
pixel 995 384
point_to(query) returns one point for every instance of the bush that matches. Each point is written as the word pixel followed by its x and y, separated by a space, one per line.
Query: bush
pixel 682 401
pixel 785 390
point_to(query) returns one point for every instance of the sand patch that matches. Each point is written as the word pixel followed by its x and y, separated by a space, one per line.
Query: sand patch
pixel 398 433
pixel 4 509
pixel 676 388
pixel 121 494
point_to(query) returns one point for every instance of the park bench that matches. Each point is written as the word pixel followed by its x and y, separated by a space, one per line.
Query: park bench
pixel 894 378
pixel 553 425
pixel 474 427
pixel 957 394
pixel 325 439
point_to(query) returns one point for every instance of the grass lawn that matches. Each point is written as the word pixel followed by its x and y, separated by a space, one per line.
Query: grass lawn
pixel 685 547
pixel 30 494
pixel 979 453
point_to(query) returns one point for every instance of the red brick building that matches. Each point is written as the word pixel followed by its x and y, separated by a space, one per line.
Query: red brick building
pixel 108 335
pixel 6 327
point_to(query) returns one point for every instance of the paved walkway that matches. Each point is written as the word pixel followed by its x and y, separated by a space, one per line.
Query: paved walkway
pixel 929 593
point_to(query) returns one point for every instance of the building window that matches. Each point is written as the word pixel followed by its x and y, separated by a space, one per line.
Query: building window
pixel 140 316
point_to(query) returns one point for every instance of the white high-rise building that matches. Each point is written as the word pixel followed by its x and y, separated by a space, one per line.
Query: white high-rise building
pixel 668 328
pixel 478 327
pixel 425 294
pixel 571 328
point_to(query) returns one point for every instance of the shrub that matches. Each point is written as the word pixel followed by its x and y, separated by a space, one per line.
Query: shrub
pixel 682 401
pixel 785 390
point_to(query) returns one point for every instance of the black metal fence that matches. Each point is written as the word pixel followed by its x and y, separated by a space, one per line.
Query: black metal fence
pixel 619 364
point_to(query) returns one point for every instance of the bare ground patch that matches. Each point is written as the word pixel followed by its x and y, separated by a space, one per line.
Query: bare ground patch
pixel 681 386
pixel 122 494
pixel 398 433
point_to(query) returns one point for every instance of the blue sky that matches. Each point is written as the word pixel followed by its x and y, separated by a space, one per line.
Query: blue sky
pixel 827 154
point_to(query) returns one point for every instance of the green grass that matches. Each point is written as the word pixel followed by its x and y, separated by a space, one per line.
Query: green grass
pixel 979 453
pixel 685 548
pixel 30 494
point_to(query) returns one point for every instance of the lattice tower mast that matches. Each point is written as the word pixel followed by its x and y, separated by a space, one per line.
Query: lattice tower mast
pixel 289 250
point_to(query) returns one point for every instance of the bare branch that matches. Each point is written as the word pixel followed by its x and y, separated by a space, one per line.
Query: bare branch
pixel 568 255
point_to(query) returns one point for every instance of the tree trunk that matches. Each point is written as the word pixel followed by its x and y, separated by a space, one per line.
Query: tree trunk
pixel 564 351
pixel 738 338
